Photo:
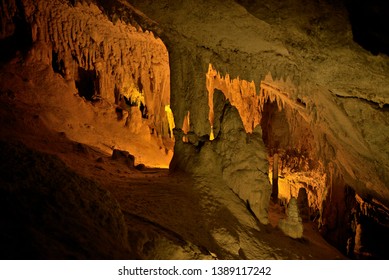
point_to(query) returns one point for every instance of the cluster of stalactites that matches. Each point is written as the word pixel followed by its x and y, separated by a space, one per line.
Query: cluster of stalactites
pixel 121 57
pixel 240 93
pixel 243 95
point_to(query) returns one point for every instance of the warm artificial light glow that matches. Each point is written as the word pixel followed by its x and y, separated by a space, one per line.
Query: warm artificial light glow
pixel 186 127
pixel 289 183
pixel 211 135
pixel 240 93
pixel 119 64
pixel 243 95
pixel 250 104
pixel 170 119
pixel 133 94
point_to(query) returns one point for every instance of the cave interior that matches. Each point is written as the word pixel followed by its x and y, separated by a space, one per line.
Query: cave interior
pixel 194 129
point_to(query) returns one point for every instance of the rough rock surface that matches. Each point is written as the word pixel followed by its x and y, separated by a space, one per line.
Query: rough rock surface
pixel 115 58
pixel 239 159
pixel 124 156
pixel 49 212
pixel 292 225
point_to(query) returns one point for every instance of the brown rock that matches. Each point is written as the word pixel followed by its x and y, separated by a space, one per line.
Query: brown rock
pixel 123 156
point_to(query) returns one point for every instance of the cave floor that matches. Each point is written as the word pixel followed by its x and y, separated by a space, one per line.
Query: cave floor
pixel 190 218
pixel 188 210
pixel 168 216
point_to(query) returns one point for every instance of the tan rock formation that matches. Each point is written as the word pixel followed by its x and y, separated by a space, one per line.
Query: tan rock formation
pixel 292 225
pixel 319 82
pixel 239 159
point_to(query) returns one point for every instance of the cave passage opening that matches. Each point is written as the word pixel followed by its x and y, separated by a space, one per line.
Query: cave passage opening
pixel 286 133
pixel 127 96
pixel 294 170
pixel 145 110
pixel 87 83
pixel 341 216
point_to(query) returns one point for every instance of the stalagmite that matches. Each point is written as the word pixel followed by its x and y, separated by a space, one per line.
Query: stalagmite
pixel 292 225
pixel 297 91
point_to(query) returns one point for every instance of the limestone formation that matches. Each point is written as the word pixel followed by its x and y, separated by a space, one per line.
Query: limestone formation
pixel 324 101
pixel 239 159
pixel 292 224
pixel 105 59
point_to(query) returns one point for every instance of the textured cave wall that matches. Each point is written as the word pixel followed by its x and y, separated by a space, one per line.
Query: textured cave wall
pixel 106 60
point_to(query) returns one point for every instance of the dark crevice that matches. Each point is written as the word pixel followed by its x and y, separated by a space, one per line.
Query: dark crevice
pixel 370 24
pixel 375 105
pixel 87 84
pixel 21 39
pixel 57 64
pixel 144 111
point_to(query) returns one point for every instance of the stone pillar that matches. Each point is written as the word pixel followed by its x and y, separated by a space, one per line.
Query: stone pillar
pixel 274 193
pixel 292 225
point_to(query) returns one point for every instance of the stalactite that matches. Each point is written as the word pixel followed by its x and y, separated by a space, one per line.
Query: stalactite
pixel 186 127
pixel 274 193
pixel 243 95
pixel 82 34
pixel 296 170
pixel 240 93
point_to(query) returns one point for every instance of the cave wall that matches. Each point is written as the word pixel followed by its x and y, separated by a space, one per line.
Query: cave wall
pixel 109 60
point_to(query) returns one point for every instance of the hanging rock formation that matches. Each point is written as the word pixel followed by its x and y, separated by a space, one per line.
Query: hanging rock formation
pixel 120 71
pixel 106 60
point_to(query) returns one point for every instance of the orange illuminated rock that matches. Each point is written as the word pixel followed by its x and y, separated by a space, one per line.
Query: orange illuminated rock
pixel 111 65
